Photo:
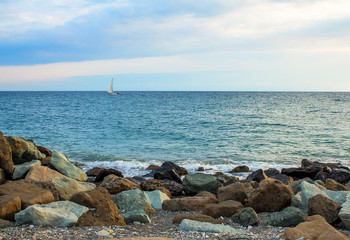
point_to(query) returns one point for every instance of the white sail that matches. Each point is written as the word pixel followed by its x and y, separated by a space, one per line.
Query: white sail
pixel 110 89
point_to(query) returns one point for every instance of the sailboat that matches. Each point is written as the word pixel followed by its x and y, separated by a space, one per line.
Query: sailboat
pixel 110 89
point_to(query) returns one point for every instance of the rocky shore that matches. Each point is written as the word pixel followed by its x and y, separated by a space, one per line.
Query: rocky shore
pixel 45 196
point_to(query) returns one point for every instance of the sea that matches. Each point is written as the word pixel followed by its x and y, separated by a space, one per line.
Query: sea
pixel 215 130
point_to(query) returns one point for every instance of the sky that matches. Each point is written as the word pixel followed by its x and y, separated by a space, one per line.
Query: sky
pixel 182 45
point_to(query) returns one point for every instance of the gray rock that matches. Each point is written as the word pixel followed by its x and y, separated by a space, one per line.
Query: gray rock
pixel 337 196
pixel 288 217
pixel 136 216
pixel 296 201
pixel 133 200
pixel 56 214
pixel 155 198
pixel 308 191
pixel 23 150
pixel 246 217
pixel 191 225
pixel 62 164
pixel 67 187
pixel 22 169
pixel 344 213
pixel 195 183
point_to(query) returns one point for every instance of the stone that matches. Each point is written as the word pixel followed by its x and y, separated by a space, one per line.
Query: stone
pixel 257 176
pixel 6 162
pixel 321 176
pixel 235 191
pixel 227 179
pixel 196 203
pixel 56 214
pixel 5 223
pixel 62 164
pixel 194 183
pixel 42 174
pixel 308 191
pixel 344 213
pixel 271 172
pixel 155 184
pixel 155 198
pixel 168 174
pixel 315 227
pixel 105 172
pixel 92 198
pixel 152 167
pixel 288 217
pixel 305 163
pixel 47 160
pixel 325 207
pixel 337 196
pixel 191 225
pixel 200 169
pixel 176 189
pixel 224 209
pixel 116 184
pixel 246 217
pixel 296 184
pixel 340 175
pixel 330 184
pixel 170 165
pixel 300 173
pixel 93 172
pixel 48 186
pixel 28 193
pixel 272 195
pixel 2 176
pixel 197 217
pixel 22 169
pixel 296 201
pixel 283 178
pixel 23 150
pixel 133 200
pixel 138 215
pixel 67 187
pixel 242 168
pixel 9 205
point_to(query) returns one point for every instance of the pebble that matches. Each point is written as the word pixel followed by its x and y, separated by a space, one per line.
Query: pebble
pixel 103 233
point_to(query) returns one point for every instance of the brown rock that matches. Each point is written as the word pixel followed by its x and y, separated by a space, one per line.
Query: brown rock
pixel 272 195
pixel 94 171
pixel 28 193
pixel 152 184
pixel 2 176
pixel 42 174
pixel 152 167
pixel 242 168
pixel 327 208
pixel 6 162
pixel 116 184
pixel 45 161
pixel 48 186
pixel 92 198
pixel 315 227
pixel 257 176
pixel 224 209
pixel 330 184
pixel 197 217
pixel 105 172
pixel 196 203
pixel 9 206
pixel 235 191
pixel 23 150
pixel 283 178
pixel 5 223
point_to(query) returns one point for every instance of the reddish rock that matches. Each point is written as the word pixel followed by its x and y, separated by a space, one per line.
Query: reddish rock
pixel 6 162
pixel 224 209
pixel 197 217
pixel 116 184
pixel 315 227
pixel 9 206
pixel 92 198
pixel 105 172
pixel 330 184
pixel 327 208
pixel 94 171
pixel 45 161
pixel 196 203
pixel 42 174
pixel 235 191
pixel 272 195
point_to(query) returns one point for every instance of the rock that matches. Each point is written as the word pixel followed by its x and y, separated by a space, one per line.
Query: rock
pixel 170 165
pixel 283 178
pixel 315 227
pixel 337 196
pixel 168 174
pixel 296 201
pixel 116 184
pixel 22 169
pixel 105 172
pixel 92 198
pixel 2 176
pixel 155 198
pixel 28 193
pixel 246 217
pixel 48 186
pixel 308 191
pixel 340 175
pixel 271 172
pixel 152 167
pixel 67 187
pixel 154 184
pixel 305 163
pixel 136 179
pixel 300 172
pixel 9 205
pixel 176 189
pixel 47 160
pixel 197 217
pixel 5 223
pixel 133 200
pixel 235 191
pixel 194 183
pixel 321 176
pixel 344 213
pixel 191 225
pixel 6 162
pixel 330 184
pixel 62 164
pixel 94 171
pixel 242 168
pixel 288 217
pixel 200 169
pixel 296 184
pixel 41 174
pixel 224 209
pixel 196 203
pixel 56 214
pixel 23 150
pixel 271 195
pixel 327 208
pixel 227 179
pixel 257 176
pixel 138 215
pixel 104 214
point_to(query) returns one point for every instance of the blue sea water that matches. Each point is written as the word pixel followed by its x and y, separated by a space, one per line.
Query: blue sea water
pixel 217 130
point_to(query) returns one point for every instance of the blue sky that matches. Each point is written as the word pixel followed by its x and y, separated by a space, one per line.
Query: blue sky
pixel 277 45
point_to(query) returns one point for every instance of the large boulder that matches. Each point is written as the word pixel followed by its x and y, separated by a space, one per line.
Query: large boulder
pixel 327 208
pixel 22 169
pixel 196 203
pixel 191 225
pixel 333 185
pixel 92 198
pixel 337 196
pixel 271 195
pixel 235 191
pixel 6 162
pixel 64 166
pixel 340 175
pixel 195 183
pixel 28 193
pixel 308 191
pixel 56 214
pixel 197 217
pixel 257 176
pixel 300 173
pixel 67 187
pixel 224 209
pixel 23 150
pixel 288 217
pixel 155 198
pixel 315 227
pixel 9 205
pixel 42 174
pixel 246 217
pixel 138 215
pixel 116 184
pixel 133 200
